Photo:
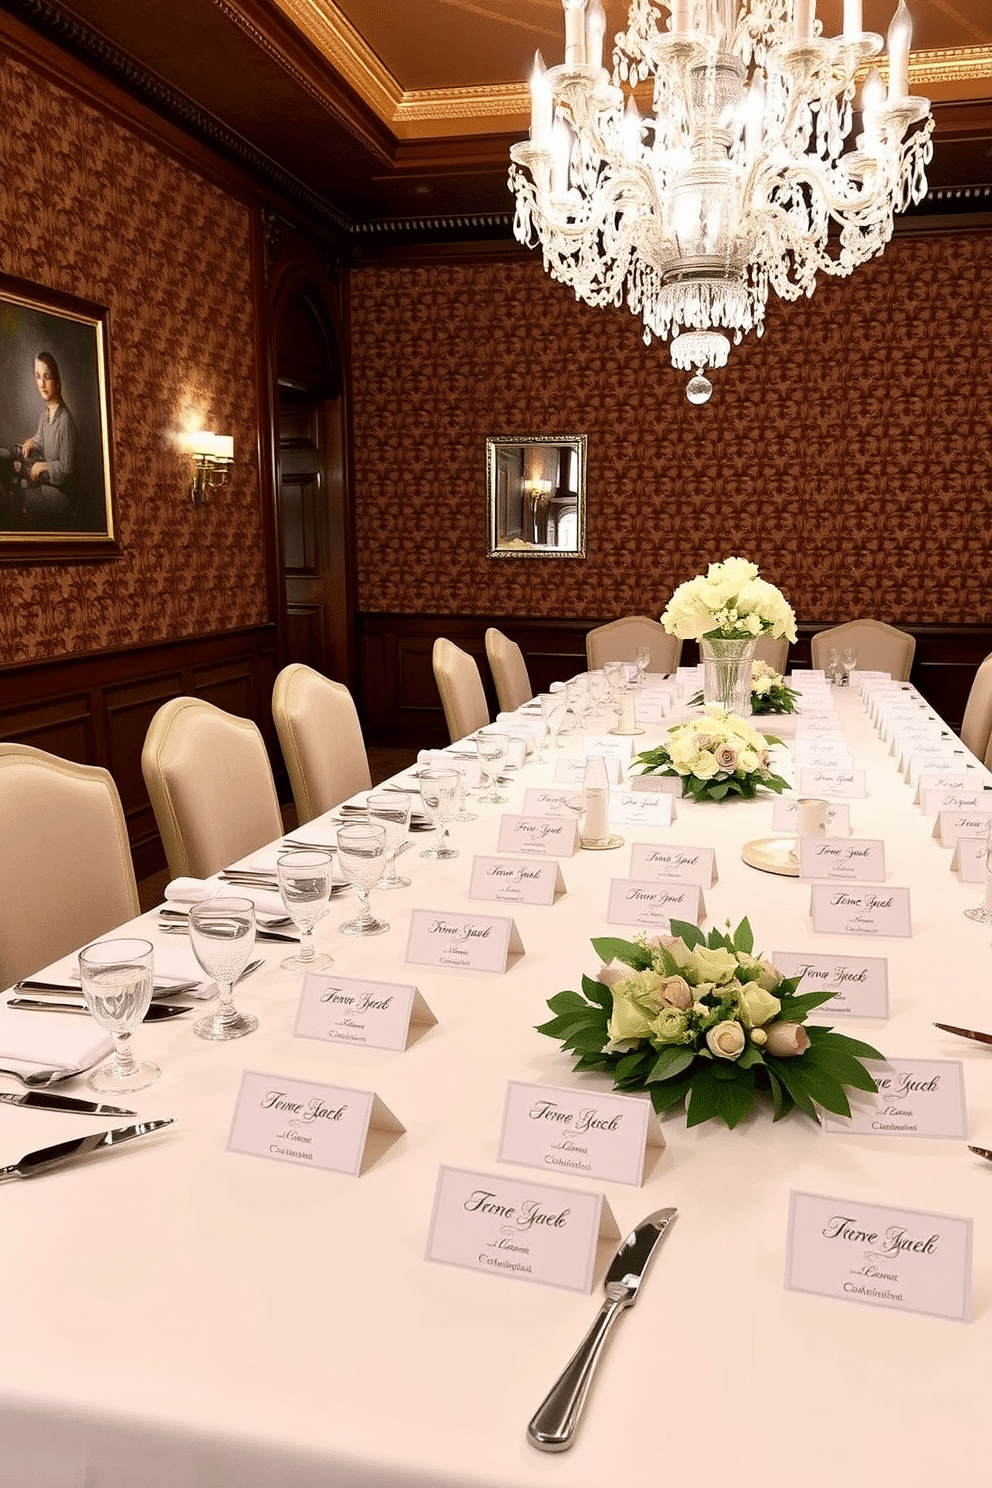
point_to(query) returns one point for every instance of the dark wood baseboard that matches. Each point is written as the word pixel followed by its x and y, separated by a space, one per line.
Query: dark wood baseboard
pixel 401 707
pixel 95 708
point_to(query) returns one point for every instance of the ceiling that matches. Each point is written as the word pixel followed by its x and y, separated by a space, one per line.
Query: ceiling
pixel 393 118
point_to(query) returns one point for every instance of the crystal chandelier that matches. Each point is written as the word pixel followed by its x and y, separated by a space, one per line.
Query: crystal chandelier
pixel 741 180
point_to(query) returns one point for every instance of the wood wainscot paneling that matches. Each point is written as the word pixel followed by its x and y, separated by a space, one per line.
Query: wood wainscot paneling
pixel 401 707
pixel 95 708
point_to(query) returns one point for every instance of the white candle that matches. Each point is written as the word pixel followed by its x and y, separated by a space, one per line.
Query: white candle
pixel 595 32
pixel 872 98
pixel 680 16
pixel 561 149
pixel 631 132
pixel 804 13
pixel 899 39
pixel 595 800
pixel 852 18
pixel 575 31
pixel 628 721
pixel 541 105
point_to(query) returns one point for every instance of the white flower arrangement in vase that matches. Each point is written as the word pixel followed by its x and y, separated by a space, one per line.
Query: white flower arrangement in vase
pixel 730 603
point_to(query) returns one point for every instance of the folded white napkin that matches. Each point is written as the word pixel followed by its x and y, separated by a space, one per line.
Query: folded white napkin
pixel 170 963
pixel 50 1040
pixel 184 892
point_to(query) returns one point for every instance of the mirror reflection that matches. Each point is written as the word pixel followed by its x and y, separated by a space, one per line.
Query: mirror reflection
pixel 537 489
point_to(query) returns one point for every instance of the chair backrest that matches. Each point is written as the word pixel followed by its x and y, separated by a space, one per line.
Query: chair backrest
pixel 462 696
pixel 211 787
pixel 321 739
pixel 976 726
pixel 620 640
pixel 774 653
pixel 66 874
pixel 877 646
pixel 506 662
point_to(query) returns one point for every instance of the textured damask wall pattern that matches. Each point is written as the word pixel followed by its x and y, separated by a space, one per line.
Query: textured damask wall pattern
pixel 848 452
pixel 91 208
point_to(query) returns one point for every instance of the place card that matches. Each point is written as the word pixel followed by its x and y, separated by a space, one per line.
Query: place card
pixel 550 836
pixel 950 825
pixel 610 747
pixel 784 811
pixel 470 942
pixel 924 759
pixel 653 905
pixel 860 984
pixel 807 758
pixel 856 910
pixel 970 859
pixel 916 1098
pixel 659 784
pixel 935 801
pixel 513 882
pixel 673 862
pixel 852 859
pixel 526 1231
pixel 578 1131
pixel 958 777
pixel 634 808
pixel 906 1259
pixel 819 780
pixel 555 800
pixel 440 759
pixel 652 707
pixel 931 749
pixel 307 1123
pixel 354 1010
pixel 571 772
pixel 810 730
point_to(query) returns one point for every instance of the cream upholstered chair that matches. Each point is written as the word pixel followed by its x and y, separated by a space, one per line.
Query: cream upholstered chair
pixel 66 874
pixel 878 647
pixel 774 653
pixel 621 639
pixel 211 787
pixel 506 662
pixel 462 696
pixel 976 726
pixel 321 738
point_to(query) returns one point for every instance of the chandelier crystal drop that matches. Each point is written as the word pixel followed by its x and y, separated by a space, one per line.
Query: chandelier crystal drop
pixel 742 179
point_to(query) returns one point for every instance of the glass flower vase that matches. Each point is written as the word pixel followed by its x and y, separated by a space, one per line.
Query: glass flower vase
pixel 727 673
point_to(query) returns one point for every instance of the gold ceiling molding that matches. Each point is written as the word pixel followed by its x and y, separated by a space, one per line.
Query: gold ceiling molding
pixel 952 65
pixel 348 52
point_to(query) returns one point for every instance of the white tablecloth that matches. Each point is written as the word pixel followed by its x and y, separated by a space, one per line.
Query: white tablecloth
pixel 178 1315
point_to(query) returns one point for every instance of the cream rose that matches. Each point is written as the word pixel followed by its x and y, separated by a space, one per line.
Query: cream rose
pixel 726 757
pixel 675 992
pixel 786 1040
pixel 628 1021
pixel 713 965
pixel 758 1006
pixel 613 972
pixel 726 1040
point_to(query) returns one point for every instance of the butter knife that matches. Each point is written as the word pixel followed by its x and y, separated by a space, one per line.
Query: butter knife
pixel 43 1100
pixel 553 1426
pixel 70 1152
pixel 968 1033
pixel 157 1012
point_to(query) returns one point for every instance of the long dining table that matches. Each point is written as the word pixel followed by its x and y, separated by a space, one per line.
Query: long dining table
pixel 178 1313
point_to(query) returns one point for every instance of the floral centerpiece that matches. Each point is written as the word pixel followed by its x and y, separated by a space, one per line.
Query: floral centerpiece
pixel 769 693
pixel 682 1016
pixel 717 756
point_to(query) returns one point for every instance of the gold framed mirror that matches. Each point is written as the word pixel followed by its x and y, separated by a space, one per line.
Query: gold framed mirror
pixel 537 495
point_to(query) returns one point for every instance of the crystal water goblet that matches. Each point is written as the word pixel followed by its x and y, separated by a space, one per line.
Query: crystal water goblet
pixel 833 665
pixel 439 792
pixel 643 658
pixel 575 701
pixel 462 813
pixel 391 811
pixel 553 712
pixel 493 746
pixel 362 860
pixel 222 934
pixel 983 912
pixel 599 690
pixel 116 977
pixel 848 661
pixel 305 886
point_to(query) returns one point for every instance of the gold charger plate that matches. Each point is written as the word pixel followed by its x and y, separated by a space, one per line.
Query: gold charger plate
pixel 772 855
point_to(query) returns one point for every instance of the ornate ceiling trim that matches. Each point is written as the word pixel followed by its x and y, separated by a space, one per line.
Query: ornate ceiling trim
pixel 953 65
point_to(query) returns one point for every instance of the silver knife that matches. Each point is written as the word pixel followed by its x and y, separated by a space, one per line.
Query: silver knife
pixel 42 1100
pixel 157 1012
pixel 73 989
pixel 553 1426
pixel 69 1152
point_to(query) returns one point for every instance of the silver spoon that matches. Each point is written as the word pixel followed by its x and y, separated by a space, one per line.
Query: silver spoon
pixel 42 1077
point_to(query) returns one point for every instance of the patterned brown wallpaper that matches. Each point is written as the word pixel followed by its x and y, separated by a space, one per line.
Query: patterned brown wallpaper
pixel 93 209
pixel 848 452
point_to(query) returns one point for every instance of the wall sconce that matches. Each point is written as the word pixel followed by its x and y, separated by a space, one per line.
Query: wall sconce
pixel 213 456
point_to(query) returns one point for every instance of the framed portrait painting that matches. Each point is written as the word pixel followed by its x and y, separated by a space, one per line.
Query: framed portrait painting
pixel 57 498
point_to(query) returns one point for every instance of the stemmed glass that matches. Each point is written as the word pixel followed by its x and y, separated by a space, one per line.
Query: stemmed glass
pixel 439 792
pixel 643 657
pixel 849 661
pixel 305 886
pixel 463 814
pixel 833 665
pixel 553 711
pixel 575 699
pixel 599 690
pixel 983 912
pixel 391 811
pixel 222 934
pixel 362 858
pixel 493 746
pixel 116 977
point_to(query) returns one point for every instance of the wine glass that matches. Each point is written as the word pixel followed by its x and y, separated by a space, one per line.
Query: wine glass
pixel 493 746
pixel 575 695
pixel 553 711
pixel 643 658
pixel 222 934
pixel 439 792
pixel 598 689
pixel 983 912
pixel 305 886
pixel 833 665
pixel 849 661
pixel 116 977
pixel 391 811
pixel 362 859
pixel 462 814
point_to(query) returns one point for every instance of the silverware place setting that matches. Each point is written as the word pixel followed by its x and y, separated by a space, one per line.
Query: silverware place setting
pixel 158 1012
pixel 968 1033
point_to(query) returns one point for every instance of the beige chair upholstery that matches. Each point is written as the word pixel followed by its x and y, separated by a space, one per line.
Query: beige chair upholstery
pixel 462 696
pixel 506 662
pixel 211 787
pixel 66 875
pixel 321 739
pixel 976 726
pixel 878 647
pixel 774 653
pixel 621 639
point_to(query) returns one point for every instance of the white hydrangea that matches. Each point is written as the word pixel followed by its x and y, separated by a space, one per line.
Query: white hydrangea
pixel 729 601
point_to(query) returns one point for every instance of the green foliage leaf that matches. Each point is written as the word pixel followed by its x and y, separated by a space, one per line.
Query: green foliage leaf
pixel 610 948
pixel 567 1002
pixel 796 1008
pixel 744 937
pixel 670 1092
pixel 691 935
pixel 828 1038
pixel 597 992
pixel 671 1062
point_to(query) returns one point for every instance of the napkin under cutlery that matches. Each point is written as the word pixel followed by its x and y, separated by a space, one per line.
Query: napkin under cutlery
pixel 48 1041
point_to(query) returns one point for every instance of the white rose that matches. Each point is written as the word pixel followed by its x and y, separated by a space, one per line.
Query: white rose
pixel 785 1040
pixel 726 1040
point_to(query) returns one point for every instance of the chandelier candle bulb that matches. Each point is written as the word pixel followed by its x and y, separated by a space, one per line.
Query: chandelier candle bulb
pixel 561 149
pixel 680 18
pixel 898 41
pixel 575 31
pixel 631 132
pixel 852 18
pixel 542 105
pixel 595 33
pixel 804 15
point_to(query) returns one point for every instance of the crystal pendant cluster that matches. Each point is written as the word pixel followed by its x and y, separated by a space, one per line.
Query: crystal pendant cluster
pixel 743 178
